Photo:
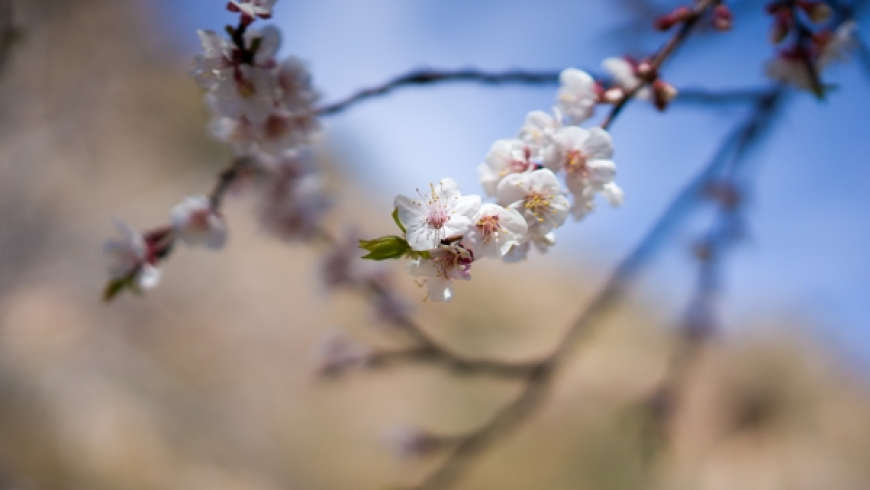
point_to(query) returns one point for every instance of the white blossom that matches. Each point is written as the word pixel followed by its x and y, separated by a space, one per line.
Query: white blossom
pixel 447 263
pixel 131 258
pixel 194 222
pixel 577 95
pixel 837 48
pixel 294 79
pixel 585 156
pixel 793 66
pixel 217 61
pixel 538 131
pixel 509 156
pixel 624 73
pixel 495 229
pixel 254 8
pixel 538 197
pixel 442 213
pixel 250 92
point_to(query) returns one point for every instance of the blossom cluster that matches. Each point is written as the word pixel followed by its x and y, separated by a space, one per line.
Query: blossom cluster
pixel 264 108
pixel 814 46
pixel 550 170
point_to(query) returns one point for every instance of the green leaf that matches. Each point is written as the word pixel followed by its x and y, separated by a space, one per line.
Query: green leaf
pixel 385 248
pixel 255 44
pixel 396 219
pixel 114 287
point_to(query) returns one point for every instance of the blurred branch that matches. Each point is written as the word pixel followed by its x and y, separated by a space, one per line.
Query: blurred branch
pixel 699 325
pixel 431 77
pixel 8 31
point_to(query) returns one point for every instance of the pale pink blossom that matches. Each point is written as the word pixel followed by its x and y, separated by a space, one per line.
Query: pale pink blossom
pixel 447 264
pixel 441 213
pixel 195 223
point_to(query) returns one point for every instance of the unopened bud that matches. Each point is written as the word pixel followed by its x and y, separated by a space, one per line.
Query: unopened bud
pixel 780 29
pixel 816 11
pixel 663 94
pixel 645 70
pixel 613 95
pixel 722 18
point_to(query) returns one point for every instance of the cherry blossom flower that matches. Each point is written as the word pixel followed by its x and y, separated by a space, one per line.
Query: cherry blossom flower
pixel 194 222
pixel 538 131
pixel 294 79
pixel 538 197
pixel 624 73
pixel 510 156
pixel 132 258
pixel 447 263
pixel 217 61
pixel 585 155
pixel 252 9
pixel 495 230
pixel 577 95
pixel 442 213
pixel 792 66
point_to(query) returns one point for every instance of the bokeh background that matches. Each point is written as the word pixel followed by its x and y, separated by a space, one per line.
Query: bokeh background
pixel 208 381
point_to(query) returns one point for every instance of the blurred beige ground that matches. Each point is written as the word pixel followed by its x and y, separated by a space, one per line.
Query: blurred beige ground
pixel 207 383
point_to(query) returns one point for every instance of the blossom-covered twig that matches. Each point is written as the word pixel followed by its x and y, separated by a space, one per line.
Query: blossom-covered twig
pixel 539 379
pixel 649 73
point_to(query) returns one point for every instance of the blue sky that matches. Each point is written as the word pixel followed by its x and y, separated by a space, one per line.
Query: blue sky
pixel 805 259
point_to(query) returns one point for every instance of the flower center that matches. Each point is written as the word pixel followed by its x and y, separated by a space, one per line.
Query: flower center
pixel 488 225
pixel 575 162
pixel 538 205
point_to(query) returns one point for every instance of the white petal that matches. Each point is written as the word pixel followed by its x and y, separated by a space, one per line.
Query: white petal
pixel 613 193
pixel 467 206
pixel 411 212
pixel 440 290
pixel 148 276
pixel 601 171
pixel 598 145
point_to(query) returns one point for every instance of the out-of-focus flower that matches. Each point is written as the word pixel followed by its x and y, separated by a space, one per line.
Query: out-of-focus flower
pixel 132 258
pixel 625 74
pixel 194 222
pixel 251 9
pixel 442 213
pixel 577 95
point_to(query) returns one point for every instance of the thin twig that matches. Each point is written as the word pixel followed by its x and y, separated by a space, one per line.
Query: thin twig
pixel 660 57
pixel 431 77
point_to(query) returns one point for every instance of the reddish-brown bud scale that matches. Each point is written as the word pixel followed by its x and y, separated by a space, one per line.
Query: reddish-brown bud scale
pixel 664 22
pixel 722 18
pixel 233 8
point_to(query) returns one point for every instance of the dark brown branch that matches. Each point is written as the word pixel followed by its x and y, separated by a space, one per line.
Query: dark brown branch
pixel 431 77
